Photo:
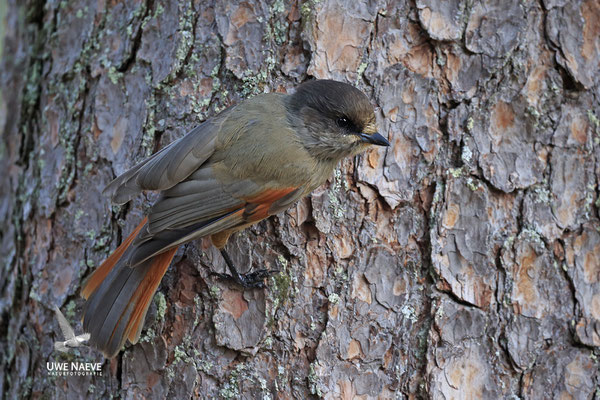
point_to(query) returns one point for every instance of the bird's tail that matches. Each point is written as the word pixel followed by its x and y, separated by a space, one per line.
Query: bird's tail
pixel 118 297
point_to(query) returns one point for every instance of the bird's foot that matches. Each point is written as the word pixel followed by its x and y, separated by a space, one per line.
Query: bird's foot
pixel 252 280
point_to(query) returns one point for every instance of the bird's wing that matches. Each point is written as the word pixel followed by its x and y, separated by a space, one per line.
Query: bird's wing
pixel 203 205
pixel 84 337
pixel 65 327
pixel 170 165
pixel 199 198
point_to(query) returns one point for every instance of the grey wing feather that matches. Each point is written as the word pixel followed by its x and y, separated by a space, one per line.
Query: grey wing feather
pixel 150 245
pixel 178 223
pixel 167 167
pixel 65 327
pixel 199 198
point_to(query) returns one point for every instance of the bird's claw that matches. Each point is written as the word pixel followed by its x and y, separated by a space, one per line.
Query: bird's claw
pixel 252 280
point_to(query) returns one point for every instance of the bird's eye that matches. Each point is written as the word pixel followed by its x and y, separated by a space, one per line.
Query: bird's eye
pixel 344 123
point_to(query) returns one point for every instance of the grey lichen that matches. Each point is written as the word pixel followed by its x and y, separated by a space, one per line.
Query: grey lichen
pixel 205 366
pixel 149 128
pixel 456 172
pixel 161 306
pixel 196 310
pixel 70 310
pixel 179 354
pixel 281 286
pixel 114 75
pixel 148 336
pixel 230 389
pixel 336 206
pixel 473 184
pixel 186 40
pixel 361 70
pixel 214 292
pixel 470 124
pixel 542 194
pixel 409 313
pixel 313 380
pixel 276 30
pixel 307 8
pixel 466 154
pixel 333 298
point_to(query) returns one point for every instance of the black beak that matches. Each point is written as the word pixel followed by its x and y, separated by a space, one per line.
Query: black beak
pixel 375 138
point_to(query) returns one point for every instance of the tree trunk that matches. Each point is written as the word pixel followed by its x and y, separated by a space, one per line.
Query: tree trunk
pixel 461 262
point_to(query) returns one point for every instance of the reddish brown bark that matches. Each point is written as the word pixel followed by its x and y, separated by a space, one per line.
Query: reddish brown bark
pixel 462 262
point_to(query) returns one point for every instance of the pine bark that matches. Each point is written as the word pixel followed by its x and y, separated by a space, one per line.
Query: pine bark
pixel 461 262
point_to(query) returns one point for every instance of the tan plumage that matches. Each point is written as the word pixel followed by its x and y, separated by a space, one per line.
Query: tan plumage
pixel 249 162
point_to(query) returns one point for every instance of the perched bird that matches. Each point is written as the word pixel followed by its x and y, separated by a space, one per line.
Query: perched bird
pixel 250 161
pixel 71 341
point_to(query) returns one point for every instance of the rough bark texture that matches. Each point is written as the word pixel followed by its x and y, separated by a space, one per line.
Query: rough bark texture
pixel 462 262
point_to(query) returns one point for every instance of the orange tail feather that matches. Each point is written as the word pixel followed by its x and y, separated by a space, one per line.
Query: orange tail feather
pixel 102 271
pixel 118 297
pixel 144 293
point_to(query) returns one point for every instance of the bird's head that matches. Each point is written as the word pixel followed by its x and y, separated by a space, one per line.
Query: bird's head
pixel 334 119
